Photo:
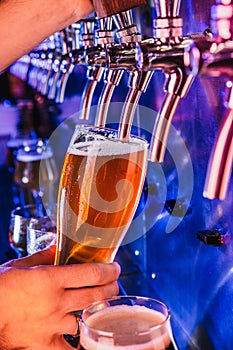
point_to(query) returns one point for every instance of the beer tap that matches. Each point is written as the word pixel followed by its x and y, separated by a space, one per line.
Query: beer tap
pixel 117 55
pixel 120 57
pixel 112 77
pixel 34 67
pixel 46 66
pixel 67 61
pixel 138 82
pixel 94 72
pixel 60 49
pixel 63 64
pixel 220 163
pixel 219 62
pixel 138 79
pixel 179 59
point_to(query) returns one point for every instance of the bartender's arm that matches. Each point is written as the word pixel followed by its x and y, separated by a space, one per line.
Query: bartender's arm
pixel 26 23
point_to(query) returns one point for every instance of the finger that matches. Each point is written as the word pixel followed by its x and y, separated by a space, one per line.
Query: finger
pixel 79 299
pixel 43 257
pixel 69 324
pixel 86 275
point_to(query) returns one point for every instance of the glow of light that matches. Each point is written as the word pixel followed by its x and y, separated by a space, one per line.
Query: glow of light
pixel 136 252
pixel 25 180
pixel 229 84
pixel 153 276
pixel 40 143
pixel 224 29
pixel 226 2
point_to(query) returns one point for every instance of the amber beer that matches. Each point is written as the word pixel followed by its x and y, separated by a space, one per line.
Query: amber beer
pixel 33 169
pixel 99 191
pixel 118 326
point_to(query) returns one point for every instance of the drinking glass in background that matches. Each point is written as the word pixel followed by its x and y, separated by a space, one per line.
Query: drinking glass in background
pixel 126 322
pixel 36 172
pixel 13 145
pixel 19 221
pixel 41 233
pixel 100 188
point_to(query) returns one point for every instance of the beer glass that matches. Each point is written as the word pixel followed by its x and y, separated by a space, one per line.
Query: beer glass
pixel 28 216
pixel 36 172
pixel 20 218
pixel 13 145
pixel 41 233
pixel 100 187
pixel 126 323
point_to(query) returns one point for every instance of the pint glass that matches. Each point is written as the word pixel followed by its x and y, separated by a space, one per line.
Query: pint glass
pixel 126 323
pixel 35 174
pixel 100 187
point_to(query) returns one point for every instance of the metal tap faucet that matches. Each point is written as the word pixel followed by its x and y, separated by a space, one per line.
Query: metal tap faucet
pixel 46 66
pixel 112 77
pixel 219 62
pixel 220 163
pixel 179 59
pixel 128 36
pixel 119 56
pixel 138 82
pixel 126 33
pixel 67 61
pixel 94 72
pixel 55 65
pixel 124 56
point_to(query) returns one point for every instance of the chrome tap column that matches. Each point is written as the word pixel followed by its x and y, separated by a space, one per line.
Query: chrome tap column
pixel 179 59
pixel 219 62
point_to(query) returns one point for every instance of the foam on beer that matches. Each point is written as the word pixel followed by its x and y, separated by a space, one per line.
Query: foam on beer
pixel 106 147
pixel 129 322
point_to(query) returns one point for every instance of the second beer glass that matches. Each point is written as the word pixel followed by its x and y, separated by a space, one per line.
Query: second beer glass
pixel 100 187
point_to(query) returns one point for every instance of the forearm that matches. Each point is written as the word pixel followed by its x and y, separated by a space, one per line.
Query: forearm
pixel 25 23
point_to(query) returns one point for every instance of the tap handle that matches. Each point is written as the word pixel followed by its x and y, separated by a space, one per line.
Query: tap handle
pixel 106 8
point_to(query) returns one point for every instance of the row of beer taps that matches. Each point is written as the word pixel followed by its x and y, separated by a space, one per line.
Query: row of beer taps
pixel 110 44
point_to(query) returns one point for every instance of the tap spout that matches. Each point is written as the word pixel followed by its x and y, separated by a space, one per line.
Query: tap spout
pixel 220 163
pixel 162 126
pixel 66 69
pixel 138 82
pixel 111 79
pixel 178 84
pixel 94 75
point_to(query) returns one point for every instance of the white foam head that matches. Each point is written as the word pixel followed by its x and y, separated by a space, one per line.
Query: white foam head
pixel 107 147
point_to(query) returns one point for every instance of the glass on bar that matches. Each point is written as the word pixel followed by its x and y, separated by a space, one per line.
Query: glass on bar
pixel 126 323
pixel 36 172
